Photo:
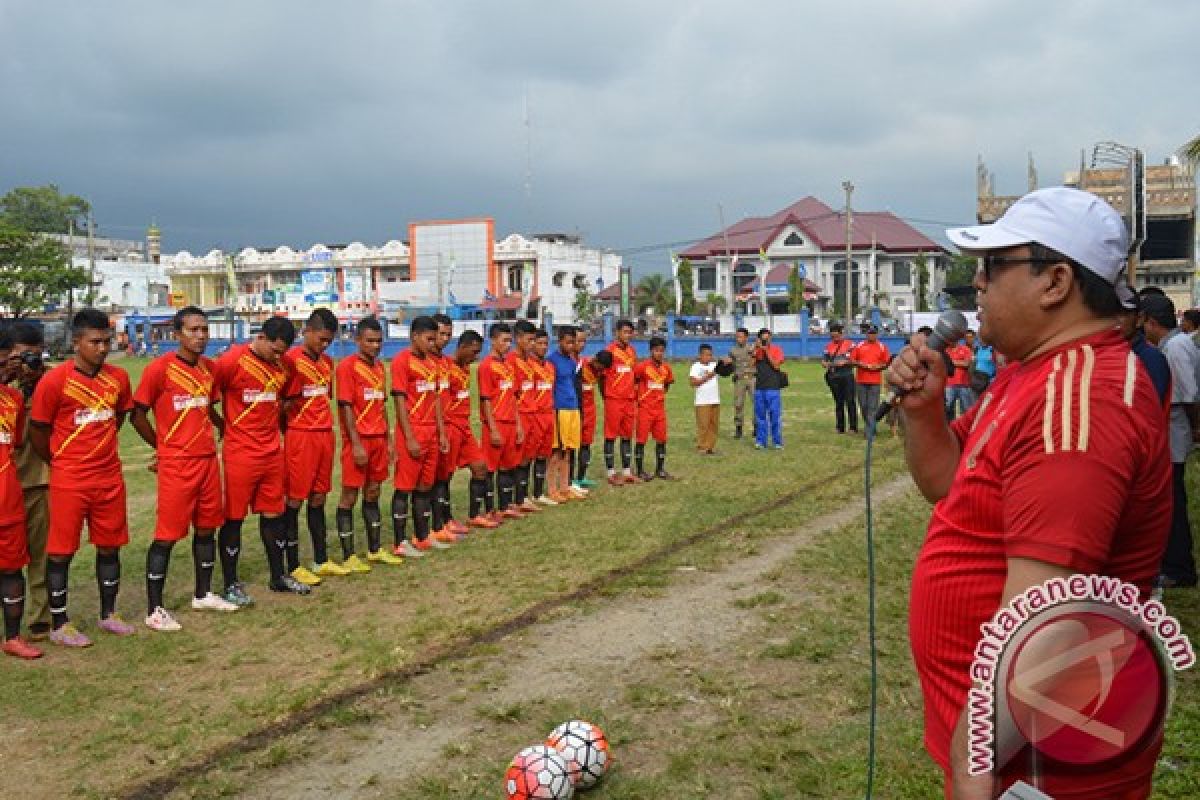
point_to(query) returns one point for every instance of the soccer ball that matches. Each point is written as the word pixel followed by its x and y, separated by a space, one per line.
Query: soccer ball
pixel 585 750
pixel 538 773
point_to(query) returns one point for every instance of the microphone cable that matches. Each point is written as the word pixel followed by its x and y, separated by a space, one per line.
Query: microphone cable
pixel 872 647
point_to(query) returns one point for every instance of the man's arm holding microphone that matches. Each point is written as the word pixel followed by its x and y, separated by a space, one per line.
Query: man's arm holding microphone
pixel 930 448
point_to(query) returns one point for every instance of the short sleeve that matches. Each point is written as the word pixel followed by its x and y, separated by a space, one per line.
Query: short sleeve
pixel 400 376
pixel 1064 494
pixel 343 389
pixel 125 393
pixel 150 385
pixel 19 430
pixel 487 385
pixel 293 386
pixel 1180 355
pixel 670 374
pixel 220 370
pixel 46 398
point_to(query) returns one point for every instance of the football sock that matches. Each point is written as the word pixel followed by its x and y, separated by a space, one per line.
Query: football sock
pixel 489 492
pixel 660 457
pixel 399 516
pixel 230 542
pixel 505 486
pixel 204 555
pixel 539 477
pixel 108 578
pixel 344 517
pixel 56 589
pixel 421 506
pixel 639 456
pixel 291 528
pixel 316 531
pixel 437 511
pixel 273 531
pixel 626 446
pixel 12 593
pixel 478 490
pixel 585 458
pixel 522 483
pixel 610 460
pixel 570 468
pixel 158 558
pixel 443 499
pixel 373 519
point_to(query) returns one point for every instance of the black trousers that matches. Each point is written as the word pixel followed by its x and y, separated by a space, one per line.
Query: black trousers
pixel 841 386
pixel 1178 563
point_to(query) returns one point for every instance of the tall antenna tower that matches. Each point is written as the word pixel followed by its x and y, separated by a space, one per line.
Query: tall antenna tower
pixel 528 162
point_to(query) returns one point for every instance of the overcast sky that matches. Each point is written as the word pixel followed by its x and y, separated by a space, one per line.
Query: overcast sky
pixel 263 123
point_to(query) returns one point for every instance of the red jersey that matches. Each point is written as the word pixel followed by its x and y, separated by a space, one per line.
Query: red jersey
pixel 875 354
pixel 250 389
pixel 618 379
pixel 837 351
pixel 498 385
pixel 416 379
pixel 543 386
pixel 962 375
pixel 587 383
pixel 652 382
pixel 363 387
pixel 179 395
pixel 12 425
pixel 525 371
pixel 1065 461
pixel 82 411
pixel 308 389
pixel 456 398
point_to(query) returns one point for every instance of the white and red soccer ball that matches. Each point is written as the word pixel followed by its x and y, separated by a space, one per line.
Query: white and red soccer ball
pixel 585 749
pixel 538 772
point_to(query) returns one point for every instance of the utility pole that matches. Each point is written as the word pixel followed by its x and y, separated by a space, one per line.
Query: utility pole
pixel 732 295
pixel 849 189
pixel 70 292
pixel 91 244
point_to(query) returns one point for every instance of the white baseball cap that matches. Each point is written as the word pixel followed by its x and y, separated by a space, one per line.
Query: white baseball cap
pixel 1073 222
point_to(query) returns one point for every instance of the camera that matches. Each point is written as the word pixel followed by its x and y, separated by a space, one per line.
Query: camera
pixel 30 360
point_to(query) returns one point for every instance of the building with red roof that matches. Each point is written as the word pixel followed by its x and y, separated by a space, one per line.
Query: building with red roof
pixel 810 237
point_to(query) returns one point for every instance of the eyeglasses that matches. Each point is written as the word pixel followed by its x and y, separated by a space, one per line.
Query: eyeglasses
pixel 991 262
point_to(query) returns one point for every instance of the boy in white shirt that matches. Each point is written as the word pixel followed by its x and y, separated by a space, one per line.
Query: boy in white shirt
pixel 703 377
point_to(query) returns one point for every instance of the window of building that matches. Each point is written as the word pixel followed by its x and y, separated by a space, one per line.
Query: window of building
pixel 516 277
pixel 579 281
pixel 706 279
pixel 559 279
pixel 793 240
pixel 901 273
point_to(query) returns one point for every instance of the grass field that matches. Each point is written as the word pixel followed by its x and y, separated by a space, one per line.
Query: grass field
pixel 783 712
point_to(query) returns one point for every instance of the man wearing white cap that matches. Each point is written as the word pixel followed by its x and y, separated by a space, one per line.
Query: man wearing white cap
pixel 1061 468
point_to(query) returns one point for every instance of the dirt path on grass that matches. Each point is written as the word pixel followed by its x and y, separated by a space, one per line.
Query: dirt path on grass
pixel 590 653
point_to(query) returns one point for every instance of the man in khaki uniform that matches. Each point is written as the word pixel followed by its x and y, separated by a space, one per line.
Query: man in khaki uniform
pixel 741 355
pixel 34 474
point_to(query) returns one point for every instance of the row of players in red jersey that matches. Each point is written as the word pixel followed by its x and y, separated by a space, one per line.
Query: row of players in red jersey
pixel 186 402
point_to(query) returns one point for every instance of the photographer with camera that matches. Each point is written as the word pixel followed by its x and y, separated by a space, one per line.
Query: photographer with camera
pixel 769 379
pixel 25 369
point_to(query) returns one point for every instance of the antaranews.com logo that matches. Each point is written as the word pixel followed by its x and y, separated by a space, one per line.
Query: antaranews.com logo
pixel 1075 667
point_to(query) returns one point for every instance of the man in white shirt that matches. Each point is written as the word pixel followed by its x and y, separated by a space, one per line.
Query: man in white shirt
pixel 1162 331
pixel 703 377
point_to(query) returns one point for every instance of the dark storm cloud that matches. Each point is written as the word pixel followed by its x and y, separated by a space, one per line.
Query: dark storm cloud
pixel 265 122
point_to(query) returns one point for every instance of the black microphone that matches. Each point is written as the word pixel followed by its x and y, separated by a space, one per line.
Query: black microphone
pixel 951 326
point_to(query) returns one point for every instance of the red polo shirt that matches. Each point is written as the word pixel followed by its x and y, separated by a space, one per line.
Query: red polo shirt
pixel 1064 461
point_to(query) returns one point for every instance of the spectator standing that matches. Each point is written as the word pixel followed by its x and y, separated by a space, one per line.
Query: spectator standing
pixel 703 377
pixel 958 384
pixel 839 377
pixel 983 366
pixel 870 358
pixel 1159 322
pixel 1191 324
pixel 769 379
pixel 742 357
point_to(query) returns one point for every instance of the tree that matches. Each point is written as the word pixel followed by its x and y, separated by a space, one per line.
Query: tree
pixel 584 306
pixel 656 291
pixel 960 276
pixel 921 267
pixel 1191 151
pixel 43 209
pixel 687 302
pixel 34 270
pixel 715 302
pixel 795 291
